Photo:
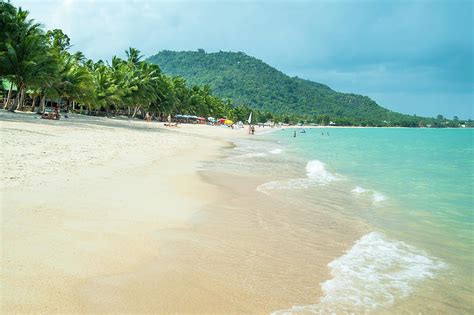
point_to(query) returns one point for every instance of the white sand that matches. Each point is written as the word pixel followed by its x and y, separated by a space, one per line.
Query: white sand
pixel 82 198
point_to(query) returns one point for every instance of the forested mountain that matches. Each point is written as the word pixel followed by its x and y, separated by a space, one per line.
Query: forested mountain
pixel 249 81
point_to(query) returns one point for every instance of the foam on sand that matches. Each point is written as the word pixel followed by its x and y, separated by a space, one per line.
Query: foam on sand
pixel 316 175
pixel 276 151
pixel 359 190
pixel 374 273
pixel 376 196
pixel 251 155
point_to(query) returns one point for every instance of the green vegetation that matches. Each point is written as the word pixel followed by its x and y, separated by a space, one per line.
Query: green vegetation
pixel 37 68
pixel 248 81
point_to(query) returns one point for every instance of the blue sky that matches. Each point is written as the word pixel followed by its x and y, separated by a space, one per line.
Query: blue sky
pixel 414 57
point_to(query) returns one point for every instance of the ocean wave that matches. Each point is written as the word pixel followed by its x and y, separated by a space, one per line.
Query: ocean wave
pixel 374 273
pixel 376 196
pixel 276 151
pixel 316 170
pixel 316 175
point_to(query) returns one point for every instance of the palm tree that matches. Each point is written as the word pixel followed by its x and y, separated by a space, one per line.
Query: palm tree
pixel 74 78
pixel 24 57
pixel 133 57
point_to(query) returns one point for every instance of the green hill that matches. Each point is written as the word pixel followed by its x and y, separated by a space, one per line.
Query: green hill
pixel 249 81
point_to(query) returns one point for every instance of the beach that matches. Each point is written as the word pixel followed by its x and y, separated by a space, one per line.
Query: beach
pixel 107 215
pixel 82 200
pixel 102 215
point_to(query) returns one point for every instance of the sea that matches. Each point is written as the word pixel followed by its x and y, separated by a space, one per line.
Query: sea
pixel 409 192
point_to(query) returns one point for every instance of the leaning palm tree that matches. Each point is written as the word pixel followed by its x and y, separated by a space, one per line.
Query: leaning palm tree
pixel 25 58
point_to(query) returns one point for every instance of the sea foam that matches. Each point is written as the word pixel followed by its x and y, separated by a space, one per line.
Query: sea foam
pixel 316 170
pixel 276 151
pixel 376 196
pixel 316 175
pixel 251 155
pixel 372 274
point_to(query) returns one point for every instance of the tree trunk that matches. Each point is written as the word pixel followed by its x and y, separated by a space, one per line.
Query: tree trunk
pixel 16 101
pixel 73 105
pixel 9 96
pixel 42 105
pixel 13 104
pixel 34 103
pixel 135 111
pixel 22 99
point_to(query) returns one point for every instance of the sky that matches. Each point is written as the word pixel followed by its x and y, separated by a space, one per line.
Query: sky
pixel 414 57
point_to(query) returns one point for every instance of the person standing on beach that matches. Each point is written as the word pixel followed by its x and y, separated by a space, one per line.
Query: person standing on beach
pixel 294 134
pixel 253 130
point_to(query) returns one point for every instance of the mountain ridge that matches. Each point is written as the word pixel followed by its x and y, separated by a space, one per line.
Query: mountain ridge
pixel 249 81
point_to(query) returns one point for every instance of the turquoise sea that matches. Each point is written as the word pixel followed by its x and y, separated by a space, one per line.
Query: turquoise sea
pixel 420 184
pixel 412 188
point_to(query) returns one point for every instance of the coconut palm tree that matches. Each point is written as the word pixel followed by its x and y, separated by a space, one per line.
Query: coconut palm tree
pixel 25 58
pixel 74 80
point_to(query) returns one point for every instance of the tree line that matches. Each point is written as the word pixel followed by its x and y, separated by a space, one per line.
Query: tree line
pixel 39 66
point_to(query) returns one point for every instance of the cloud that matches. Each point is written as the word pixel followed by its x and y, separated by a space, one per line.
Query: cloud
pixel 378 48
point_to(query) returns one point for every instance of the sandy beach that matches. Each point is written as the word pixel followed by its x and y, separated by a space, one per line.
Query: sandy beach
pixel 82 200
pixel 102 215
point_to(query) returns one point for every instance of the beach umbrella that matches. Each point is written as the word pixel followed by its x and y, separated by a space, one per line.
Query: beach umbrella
pixel 211 119
pixel 228 122
pixel 222 120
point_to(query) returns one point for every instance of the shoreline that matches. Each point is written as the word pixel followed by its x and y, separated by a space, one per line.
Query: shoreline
pixel 98 238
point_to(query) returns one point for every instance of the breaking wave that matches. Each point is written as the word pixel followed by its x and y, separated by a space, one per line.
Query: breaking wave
pixel 316 175
pixel 374 273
